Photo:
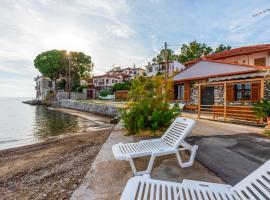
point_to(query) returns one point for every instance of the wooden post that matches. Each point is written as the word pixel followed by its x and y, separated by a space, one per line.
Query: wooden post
pixel 262 88
pixel 225 101
pixel 199 101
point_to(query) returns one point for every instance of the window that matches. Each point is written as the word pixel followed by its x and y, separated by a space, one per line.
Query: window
pixel 50 84
pixel 107 81
pixel 242 92
pixel 180 91
pixel 150 69
pixel 260 61
pixel 113 81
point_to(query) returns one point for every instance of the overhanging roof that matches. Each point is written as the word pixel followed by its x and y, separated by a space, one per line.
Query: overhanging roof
pixel 210 69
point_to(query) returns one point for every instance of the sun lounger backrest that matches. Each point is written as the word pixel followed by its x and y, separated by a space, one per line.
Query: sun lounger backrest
pixel 178 130
pixel 256 185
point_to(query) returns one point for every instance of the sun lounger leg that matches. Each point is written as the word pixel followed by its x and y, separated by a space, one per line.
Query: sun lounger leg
pixel 191 158
pixel 147 171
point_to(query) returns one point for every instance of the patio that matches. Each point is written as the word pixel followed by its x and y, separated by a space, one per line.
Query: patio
pixel 237 144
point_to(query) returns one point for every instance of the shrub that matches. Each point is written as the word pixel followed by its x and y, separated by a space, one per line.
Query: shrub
pixel 262 109
pixel 121 86
pixel 81 87
pixel 267 133
pixel 104 93
pixel 149 109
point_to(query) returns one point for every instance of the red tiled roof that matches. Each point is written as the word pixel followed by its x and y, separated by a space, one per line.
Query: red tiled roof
pixel 232 52
pixel 237 64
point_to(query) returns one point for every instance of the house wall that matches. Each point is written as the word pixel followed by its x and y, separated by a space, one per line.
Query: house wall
pixel 172 67
pixel 249 59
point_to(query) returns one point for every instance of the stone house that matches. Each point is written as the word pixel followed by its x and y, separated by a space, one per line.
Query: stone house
pixel 227 84
pixel 43 87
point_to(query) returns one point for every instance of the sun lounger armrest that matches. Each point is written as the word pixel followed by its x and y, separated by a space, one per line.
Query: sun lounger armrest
pixel 213 186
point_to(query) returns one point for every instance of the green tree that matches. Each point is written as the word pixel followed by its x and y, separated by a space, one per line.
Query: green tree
pixel 81 66
pixel 161 55
pixel 55 64
pixel 149 108
pixel 222 47
pixel 51 63
pixel 193 50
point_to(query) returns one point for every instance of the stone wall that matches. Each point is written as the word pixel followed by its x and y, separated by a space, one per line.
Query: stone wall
pixel 73 95
pixel 219 95
pixel 101 109
pixel 194 95
pixel 267 90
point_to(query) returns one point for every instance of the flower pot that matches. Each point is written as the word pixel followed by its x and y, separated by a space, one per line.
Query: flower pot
pixel 268 121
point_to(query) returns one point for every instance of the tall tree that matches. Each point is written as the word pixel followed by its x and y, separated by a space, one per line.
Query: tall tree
pixel 55 64
pixel 51 63
pixel 193 50
pixel 161 55
pixel 222 47
pixel 81 65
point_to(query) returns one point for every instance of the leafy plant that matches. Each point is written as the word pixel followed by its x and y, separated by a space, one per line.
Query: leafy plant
pixel 81 87
pixel 262 109
pixel 149 109
pixel 104 93
pixel 121 86
pixel 267 133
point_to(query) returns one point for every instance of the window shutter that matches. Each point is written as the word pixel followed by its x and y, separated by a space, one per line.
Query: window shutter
pixel 175 91
pixel 230 93
pixel 187 92
pixel 255 92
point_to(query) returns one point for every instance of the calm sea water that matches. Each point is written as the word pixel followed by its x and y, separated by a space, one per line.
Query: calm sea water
pixel 22 124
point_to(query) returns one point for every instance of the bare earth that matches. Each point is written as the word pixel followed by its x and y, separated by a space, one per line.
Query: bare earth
pixel 49 170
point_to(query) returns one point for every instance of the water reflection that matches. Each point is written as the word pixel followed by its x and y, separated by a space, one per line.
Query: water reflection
pixel 50 123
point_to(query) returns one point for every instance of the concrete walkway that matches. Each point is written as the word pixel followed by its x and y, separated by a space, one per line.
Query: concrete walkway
pixel 107 176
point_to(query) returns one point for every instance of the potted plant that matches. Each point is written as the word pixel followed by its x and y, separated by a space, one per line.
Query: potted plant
pixel 262 109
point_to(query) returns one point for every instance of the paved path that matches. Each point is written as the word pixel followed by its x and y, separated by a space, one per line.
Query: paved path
pixel 107 176
pixel 233 157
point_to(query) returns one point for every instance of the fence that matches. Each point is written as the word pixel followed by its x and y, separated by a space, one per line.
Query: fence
pixel 121 95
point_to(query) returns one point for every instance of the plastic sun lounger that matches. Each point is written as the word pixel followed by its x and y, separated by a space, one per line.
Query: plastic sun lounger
pixel 256 186
pixel 170 143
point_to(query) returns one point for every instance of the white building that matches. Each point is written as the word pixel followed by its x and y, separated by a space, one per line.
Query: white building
pixel 173 66
pixel 106 81
pixel 44 86
pixel 132 72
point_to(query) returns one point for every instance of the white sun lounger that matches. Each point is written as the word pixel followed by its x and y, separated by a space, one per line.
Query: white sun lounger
pixel 256 186
pixel 170 143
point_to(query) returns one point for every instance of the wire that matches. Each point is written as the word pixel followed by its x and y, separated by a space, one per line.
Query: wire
pixel 152 55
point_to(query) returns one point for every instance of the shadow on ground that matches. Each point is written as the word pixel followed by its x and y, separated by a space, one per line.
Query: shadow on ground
pixel 232 157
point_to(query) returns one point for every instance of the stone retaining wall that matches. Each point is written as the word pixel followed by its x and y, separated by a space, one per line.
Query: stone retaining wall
pixel 105 110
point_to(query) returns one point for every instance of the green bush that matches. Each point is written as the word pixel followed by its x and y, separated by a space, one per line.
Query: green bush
pixel 81 87
pixel 150 109
pixel 121 86
pixel 262 109
pixel 104 93
pixel 267 133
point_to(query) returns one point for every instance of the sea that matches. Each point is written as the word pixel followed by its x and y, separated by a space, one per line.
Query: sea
pixel 22 124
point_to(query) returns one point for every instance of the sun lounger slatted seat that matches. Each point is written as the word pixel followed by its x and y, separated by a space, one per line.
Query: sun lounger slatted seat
pixel 256 186
pixel 170 143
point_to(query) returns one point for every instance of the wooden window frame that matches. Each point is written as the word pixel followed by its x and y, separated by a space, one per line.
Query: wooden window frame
pixel 181 91
pixel 244 92
pixel 262 60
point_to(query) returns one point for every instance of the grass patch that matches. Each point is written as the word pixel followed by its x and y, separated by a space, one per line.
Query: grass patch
pixel 267 132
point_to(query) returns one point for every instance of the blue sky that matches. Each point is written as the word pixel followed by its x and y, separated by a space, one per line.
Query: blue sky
pixel 119 32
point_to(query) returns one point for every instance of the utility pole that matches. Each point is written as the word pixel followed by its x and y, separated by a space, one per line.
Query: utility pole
pixel 166 61
pixel 69 81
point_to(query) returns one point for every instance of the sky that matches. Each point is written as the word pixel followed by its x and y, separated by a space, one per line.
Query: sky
pixel 119 32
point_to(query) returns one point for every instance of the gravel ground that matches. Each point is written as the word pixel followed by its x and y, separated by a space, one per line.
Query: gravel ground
pixel 49 170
